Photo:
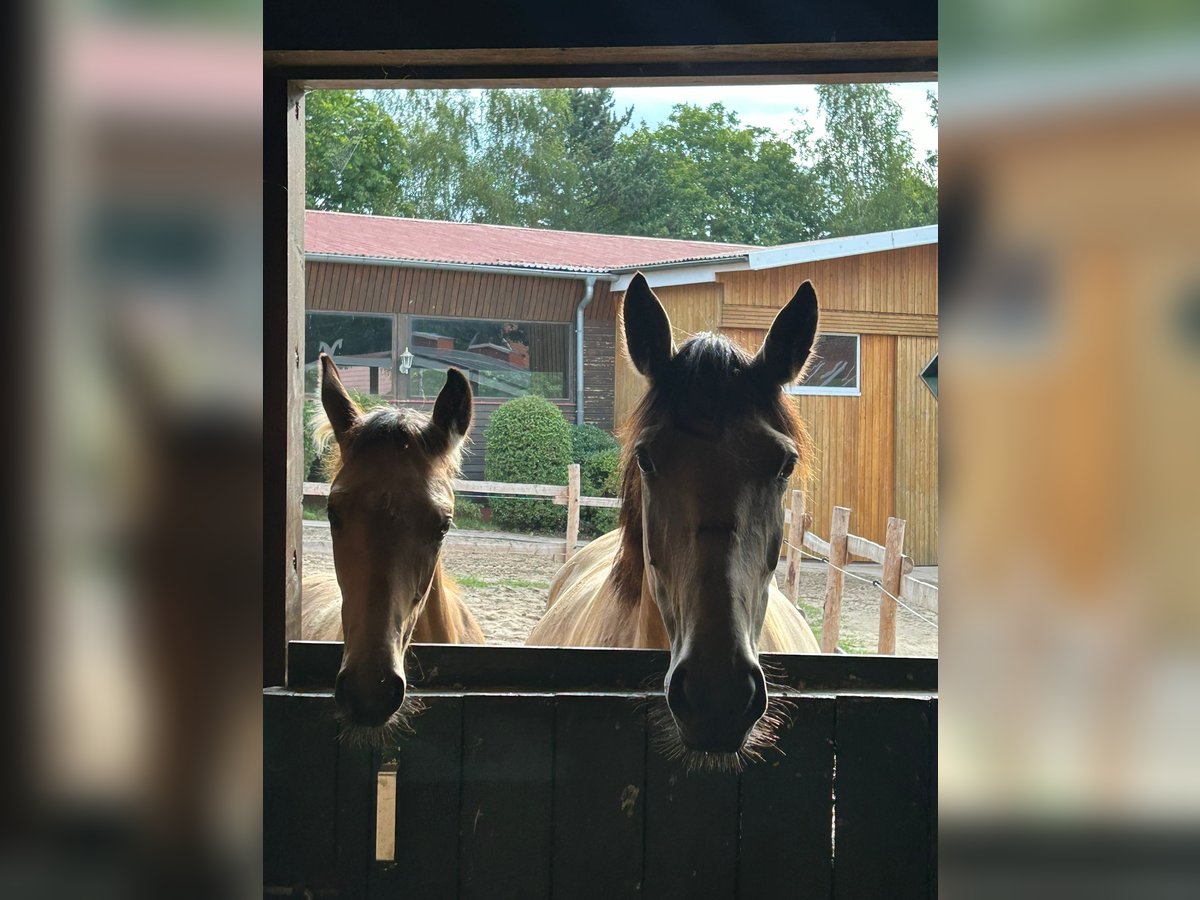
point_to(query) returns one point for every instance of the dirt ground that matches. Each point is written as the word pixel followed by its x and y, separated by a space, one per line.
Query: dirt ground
pixel 507 593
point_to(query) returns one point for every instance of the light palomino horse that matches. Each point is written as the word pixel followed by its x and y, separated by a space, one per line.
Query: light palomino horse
pixel 709 452
pixel 391 502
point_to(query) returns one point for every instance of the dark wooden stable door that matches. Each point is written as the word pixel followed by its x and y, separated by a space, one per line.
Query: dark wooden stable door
pixel 529 794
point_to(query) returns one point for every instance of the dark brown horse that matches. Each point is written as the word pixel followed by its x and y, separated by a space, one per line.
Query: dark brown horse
pixel 709 453
pixel 391 502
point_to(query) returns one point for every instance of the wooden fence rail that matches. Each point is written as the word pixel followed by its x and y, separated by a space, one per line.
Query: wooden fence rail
pixel 567 495
pixel 895 580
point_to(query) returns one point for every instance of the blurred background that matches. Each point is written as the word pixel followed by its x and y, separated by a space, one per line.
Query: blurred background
pixel 1070 233
pixel 136 466
pixel 1070 485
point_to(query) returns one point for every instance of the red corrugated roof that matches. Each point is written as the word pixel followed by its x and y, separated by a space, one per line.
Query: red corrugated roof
pixel 425 240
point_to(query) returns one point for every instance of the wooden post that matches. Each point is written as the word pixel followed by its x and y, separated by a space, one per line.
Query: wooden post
pixel 893 560
pixel 791 584
pixel 572 509
pixel 831 622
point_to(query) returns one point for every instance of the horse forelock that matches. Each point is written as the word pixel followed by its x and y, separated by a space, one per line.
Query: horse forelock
pixel 707 388
pixel 403 429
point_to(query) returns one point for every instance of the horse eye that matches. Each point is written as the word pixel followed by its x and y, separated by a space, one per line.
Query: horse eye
pixel 789 466
pixel 446 523
pixel 644 462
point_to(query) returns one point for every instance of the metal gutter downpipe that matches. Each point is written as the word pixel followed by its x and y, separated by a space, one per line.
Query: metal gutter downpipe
pixel 588 293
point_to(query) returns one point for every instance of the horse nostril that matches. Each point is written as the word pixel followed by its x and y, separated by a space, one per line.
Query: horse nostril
pixel 677 692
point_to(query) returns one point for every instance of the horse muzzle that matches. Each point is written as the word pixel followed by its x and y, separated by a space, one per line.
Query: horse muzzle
pixel 369 700
pixel 715 709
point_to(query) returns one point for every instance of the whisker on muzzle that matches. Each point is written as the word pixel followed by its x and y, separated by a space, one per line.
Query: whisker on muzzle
pixel 665 737
pixel 382 736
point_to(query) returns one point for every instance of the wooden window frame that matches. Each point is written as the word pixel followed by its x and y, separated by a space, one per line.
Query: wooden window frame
pixel 310 46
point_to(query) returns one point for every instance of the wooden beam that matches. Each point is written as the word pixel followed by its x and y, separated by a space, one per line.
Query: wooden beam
pixel 891 585
pixel 572 510
pixel 449 667
pixel 831 620
pixel 791 583
pixel 582 56
pixel 283 375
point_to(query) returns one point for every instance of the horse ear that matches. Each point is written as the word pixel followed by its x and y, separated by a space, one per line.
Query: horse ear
pixel 453 410
pixel 341 411
pixel 647 328
pixel 781 358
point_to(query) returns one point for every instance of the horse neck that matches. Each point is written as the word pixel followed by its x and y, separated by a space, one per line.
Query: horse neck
pixel 651 630
pixel 439 622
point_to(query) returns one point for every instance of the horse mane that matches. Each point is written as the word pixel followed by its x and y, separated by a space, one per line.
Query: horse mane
pixel 705 388
pixel 400 427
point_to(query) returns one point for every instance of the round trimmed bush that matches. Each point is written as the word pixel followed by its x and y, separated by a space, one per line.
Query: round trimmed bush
pixel 588 440
pixel 529 441
pixel 600 476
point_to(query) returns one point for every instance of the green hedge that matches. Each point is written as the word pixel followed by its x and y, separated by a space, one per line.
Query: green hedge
pixel 467 513
pixel 600 476
pixel 528 440
pixel 588 440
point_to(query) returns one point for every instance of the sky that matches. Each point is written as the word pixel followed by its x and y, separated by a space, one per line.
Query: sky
pixel 775 106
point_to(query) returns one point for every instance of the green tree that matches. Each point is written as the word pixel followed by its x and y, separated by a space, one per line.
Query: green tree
pixel 356 155
pixel 714 178
pixel 865 163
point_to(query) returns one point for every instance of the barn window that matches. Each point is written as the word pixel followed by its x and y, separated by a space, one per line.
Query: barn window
pixel 361 345
pixel 502 360
pixel 834 367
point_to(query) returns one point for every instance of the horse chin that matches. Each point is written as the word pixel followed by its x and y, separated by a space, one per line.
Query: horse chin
pixel 380 737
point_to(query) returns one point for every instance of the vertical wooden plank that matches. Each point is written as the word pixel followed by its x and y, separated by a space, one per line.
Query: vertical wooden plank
pixel 786 812
pixel 884 797
pixel 355 774
pixel 691 832
pixel 428 788
pixel 301 810
pixel 892 560
pixel 831 620
pixel 599 797
pixel 276 762
pixel 283 371
pixel 507 796
pixel 572 510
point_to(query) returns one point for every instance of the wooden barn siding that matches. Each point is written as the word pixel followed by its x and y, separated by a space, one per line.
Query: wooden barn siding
pixel 692 308
pixel 353 287
pixel 892 281
pixel 917 449
pixel 599 365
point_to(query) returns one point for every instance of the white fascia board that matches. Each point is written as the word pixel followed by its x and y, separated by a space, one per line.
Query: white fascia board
pixel 681 274
pixel 835 248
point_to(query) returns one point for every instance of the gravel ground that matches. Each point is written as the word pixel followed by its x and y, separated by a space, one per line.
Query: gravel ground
pixel 507 593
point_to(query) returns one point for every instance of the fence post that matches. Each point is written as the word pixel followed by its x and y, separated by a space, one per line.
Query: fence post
pixel 791 584
pixel 572 510
pixel 831 621
pixel 893 565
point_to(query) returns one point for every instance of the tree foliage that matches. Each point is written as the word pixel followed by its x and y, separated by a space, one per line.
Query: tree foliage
pixel 570 159
pixel 865 163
